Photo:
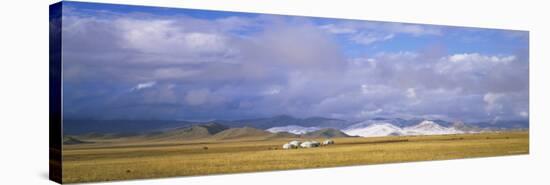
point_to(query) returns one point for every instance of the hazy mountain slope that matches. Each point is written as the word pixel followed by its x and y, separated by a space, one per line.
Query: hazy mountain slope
pixel 79 127
pixel 112 129
pixel 94 136
pixel 239 133
pixel 69 140
pixel 295 129
pixel 503 124
pixel 285 120
pixel 283 135
pixel 192 132
pixel 461 126
pixel 326 133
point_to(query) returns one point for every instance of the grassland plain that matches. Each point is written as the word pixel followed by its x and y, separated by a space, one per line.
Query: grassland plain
pixel 122 159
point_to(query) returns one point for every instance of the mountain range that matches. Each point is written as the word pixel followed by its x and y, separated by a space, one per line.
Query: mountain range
pixel 401 127
pixel 295 129
pixel 203 132
pixel 286 120
pixel 188 131
pixel 83 126
pixel 376 129
pixel 425 127
pixel 277 126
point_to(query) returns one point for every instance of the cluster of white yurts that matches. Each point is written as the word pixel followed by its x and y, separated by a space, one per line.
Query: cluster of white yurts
pixel 306 144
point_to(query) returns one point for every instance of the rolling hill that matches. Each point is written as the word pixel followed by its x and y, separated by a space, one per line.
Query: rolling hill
pixel 69 140
pixel 326 133
pixel 83 126
pixel 191 132
pixel 276 127
pixel 240 133
pixel 283 135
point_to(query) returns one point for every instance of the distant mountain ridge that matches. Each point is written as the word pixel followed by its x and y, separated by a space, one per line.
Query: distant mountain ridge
pixel 244 132
pixel 281 123
pixel 326 133
pixel 77 127
pixel 295 129
pixel 373 130
pixel 191 132
pixel 285 120
pixel 207 131
pixel 400 122
pixel 217 131
pixel 425 127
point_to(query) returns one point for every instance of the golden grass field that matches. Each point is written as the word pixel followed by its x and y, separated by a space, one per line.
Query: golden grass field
pixel 135 159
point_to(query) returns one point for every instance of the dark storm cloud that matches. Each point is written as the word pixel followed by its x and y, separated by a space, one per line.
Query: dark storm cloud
pixel 140 66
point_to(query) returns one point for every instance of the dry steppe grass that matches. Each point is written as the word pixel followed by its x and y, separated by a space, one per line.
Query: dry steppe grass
pixel 134 159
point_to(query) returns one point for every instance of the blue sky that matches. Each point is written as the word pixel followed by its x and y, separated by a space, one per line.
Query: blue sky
pixel 134 62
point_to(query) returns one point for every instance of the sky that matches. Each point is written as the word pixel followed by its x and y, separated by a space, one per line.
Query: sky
pixel 135 62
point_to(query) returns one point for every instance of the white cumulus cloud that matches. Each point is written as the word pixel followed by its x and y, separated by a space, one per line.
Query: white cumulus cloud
pixel 411 93
pixel 144 85
pixel 491 99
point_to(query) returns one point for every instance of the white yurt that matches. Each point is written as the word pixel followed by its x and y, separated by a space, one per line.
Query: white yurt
pixel 295 143
pixel 309 144
pixel 315 143
pixel 287 146
pixel 328 142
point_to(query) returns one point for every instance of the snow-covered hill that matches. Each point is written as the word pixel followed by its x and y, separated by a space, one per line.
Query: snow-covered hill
pixel 373 130
pixel 295 129
pixel 425 127
pixel 429 128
